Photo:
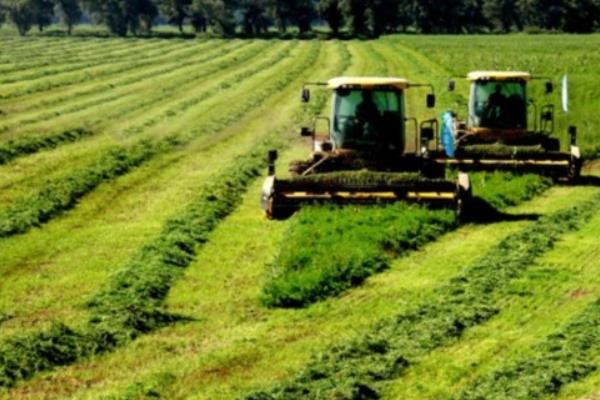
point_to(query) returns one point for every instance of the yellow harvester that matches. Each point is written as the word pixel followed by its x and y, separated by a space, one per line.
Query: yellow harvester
pixel 365 157
pixel 505 129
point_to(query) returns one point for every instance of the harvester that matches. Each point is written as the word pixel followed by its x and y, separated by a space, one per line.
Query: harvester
pixel 505 130
pixel 365 156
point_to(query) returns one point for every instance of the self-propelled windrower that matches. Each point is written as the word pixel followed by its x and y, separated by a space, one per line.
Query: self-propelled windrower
pixel 366 156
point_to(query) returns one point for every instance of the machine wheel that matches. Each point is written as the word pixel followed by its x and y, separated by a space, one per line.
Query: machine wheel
pixel 278 211
pixel 574 170
pixel 433 170
pixel 463 202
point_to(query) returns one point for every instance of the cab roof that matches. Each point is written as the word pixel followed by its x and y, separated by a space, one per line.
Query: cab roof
pixel 498 75
pixel 366 82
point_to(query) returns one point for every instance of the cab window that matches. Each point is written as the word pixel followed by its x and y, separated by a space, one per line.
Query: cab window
pixel 368 118
pixel 499 104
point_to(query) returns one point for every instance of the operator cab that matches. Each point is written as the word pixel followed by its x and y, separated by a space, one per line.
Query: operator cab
pixel 498 100
pixel 368 115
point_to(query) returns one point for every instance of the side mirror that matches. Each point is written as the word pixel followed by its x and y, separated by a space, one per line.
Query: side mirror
pixel 573 135
pixel 451 85
pixel 305 95
pixel 549 87
pixel 272 156
pixel 306 132
pixel 427 134
pixel 430 100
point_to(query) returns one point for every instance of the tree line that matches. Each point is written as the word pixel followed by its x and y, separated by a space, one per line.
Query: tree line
pixel 365 18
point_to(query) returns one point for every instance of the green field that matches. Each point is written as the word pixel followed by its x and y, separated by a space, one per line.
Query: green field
pixel 134 255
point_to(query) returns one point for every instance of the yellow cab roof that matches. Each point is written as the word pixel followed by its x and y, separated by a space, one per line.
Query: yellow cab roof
pixel 366 82
pixel 498 75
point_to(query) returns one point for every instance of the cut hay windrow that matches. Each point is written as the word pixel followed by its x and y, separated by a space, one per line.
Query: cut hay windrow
pixel 365 179
pixel 30 144
pixel 100 57
pixel 83 76
pixel 566 356
pixel 206 58
pixel 355 370
pixel 63 193
pixel 71 54
pixel 126 79
pixel 131 303
pixel 328 250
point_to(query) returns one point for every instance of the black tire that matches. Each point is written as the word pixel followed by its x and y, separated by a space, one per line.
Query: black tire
pixel 277 210
pixel 551 144
pixel 574 170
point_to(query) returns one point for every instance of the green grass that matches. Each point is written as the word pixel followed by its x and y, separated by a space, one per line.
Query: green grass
pixel 229 344
pixel 63 193
pixel 328 250
pixel 566 356
pixel 354 370
pixel 128 307
pixel 136 205
pixel 131 304
pixel 559 285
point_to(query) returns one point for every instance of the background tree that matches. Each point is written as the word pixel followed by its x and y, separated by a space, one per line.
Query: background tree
pixel 355 13
pixel 254 16
pixel 280 11
pixel 302 13
pixel 405 14
pixel 122 16
pixel 382 16
pixel 142 16
pixel 20 14
pixel 331 12
pixel 219 13
pixel 504 14
pixel 42 12
pixel 175 11
pixel 69 13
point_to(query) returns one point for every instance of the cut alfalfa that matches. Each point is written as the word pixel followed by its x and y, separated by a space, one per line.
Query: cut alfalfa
pixel 469 299
pixel 365 180
pixel 566 356
pixel 330 249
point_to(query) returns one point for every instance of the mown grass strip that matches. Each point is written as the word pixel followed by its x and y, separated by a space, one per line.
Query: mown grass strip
pixel 103 71
pixel 327 250
pixel 122 80
pixel 31 144
pixel 131 303
pixel 563 357
pixel 63 193
pixel 355 369
pixel 103 56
